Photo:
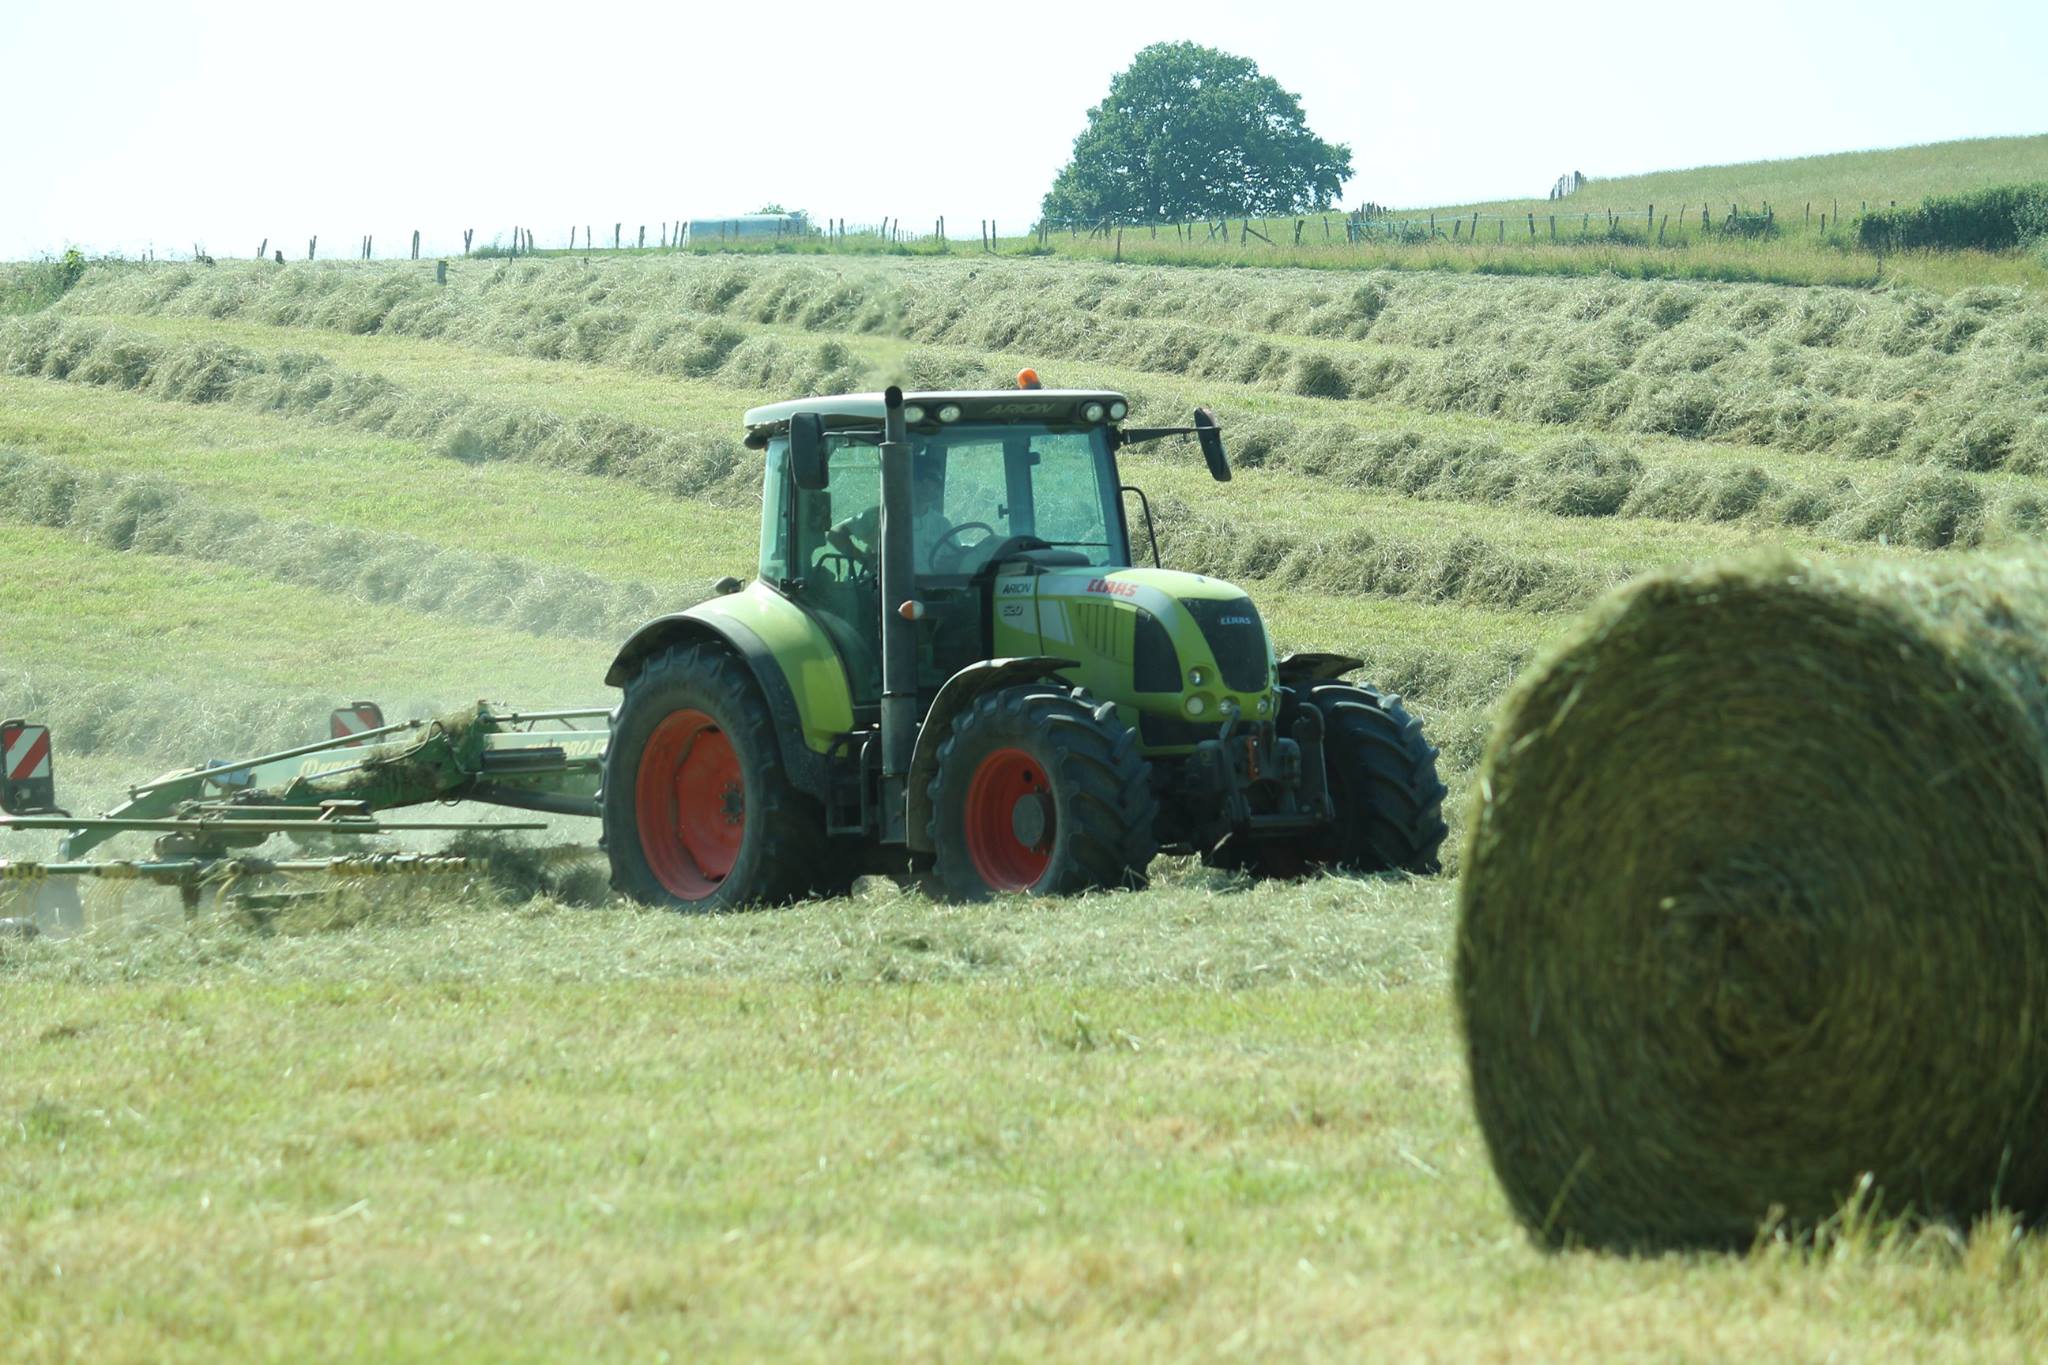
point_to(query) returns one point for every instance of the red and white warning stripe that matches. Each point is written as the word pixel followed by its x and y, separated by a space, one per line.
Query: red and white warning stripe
pixel 355 719
pixel 25 752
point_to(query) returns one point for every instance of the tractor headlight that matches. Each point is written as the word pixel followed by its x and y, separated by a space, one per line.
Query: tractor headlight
pixel 950 413
pixel 1198 676
pixel 1197 705
pixel 912 414
pixel 1092 412
pixel 1118 409
pixel 1265 705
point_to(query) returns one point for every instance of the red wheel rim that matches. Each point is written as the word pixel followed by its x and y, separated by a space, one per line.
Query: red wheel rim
pixel 691 804
pixel 1010 820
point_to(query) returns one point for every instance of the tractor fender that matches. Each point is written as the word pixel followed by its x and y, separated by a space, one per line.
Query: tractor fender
pixel 956 696
pixel 807 768
pixel 1296 669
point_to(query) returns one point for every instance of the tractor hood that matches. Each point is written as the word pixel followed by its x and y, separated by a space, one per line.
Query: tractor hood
pixel 1177 645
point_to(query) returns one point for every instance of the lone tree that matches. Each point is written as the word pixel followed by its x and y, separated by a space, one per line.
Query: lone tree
pixel 1189 132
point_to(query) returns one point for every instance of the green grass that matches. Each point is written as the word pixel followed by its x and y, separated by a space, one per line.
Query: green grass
pixel 192 638
pixel 1203 1120
pixel 281 468
pixel 1195 1123
pixel 1851 179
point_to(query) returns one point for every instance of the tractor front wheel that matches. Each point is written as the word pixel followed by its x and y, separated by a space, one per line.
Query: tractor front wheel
pixel 698 814
pixel 1383 782
pixel 1038 792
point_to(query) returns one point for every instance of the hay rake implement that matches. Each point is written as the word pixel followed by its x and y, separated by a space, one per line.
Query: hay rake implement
pixel 208 821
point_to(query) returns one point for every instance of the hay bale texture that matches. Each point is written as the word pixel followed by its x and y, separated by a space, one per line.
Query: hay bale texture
pixel 1755 905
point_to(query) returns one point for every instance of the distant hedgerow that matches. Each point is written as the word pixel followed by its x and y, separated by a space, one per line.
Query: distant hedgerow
pixel 1997 219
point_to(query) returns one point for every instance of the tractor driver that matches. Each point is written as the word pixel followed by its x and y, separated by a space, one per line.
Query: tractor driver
pixel 859 537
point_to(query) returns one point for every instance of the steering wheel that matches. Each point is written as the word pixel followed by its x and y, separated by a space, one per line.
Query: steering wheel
pixel 1011 545
pixel 953 552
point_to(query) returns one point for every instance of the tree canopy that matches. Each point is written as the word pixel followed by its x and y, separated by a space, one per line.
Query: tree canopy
pixel 1188 132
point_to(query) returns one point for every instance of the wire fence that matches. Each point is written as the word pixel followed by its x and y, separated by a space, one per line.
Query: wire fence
pixel 1374 224
pixel 1371 224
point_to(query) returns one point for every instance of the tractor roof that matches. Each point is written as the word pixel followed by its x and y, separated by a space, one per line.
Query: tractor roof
pixel 978 405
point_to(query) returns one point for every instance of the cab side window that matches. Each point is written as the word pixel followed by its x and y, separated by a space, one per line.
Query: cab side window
pixel 852 496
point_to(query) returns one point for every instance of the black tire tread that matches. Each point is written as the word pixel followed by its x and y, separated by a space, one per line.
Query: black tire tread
pixel 786 855
pixel 1374 747
pixel 1101 782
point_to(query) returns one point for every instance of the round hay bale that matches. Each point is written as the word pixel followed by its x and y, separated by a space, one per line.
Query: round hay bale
pixel 1755 905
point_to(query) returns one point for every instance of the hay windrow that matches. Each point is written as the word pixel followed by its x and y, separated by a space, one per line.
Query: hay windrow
pixel 1755 904
pixel 1952 384
pixel 1957 379
pixel 155 516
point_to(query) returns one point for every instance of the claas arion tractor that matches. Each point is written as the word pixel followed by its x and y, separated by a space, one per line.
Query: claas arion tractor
pixel 948 668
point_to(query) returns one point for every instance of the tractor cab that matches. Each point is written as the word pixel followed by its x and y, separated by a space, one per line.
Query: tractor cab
pixel 1003 485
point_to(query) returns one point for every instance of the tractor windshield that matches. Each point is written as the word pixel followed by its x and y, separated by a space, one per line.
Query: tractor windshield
pixel 973 489
pixel 1001 480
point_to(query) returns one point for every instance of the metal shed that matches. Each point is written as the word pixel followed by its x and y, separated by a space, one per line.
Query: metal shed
pixel 743 227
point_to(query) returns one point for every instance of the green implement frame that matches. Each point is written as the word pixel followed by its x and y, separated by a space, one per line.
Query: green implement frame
pixel 538 760
pixel 207 818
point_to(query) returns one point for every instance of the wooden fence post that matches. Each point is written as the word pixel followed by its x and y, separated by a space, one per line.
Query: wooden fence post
pixel 415 243
pixel 618 235
pixel 1502 234
pixel 1475 227
pixel 1119 244
pixel 1457 226
pixel 311 242
pixel 1299 223
pixel 440 272
pixel 280 255
pixel 643 237
pixel 1553 227
pixel 263 250
pixel 467 233
pixel 1532 225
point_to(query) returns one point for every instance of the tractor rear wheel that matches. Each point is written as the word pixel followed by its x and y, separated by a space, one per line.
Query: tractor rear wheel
pixel 1383 782
pixel 1039 792
pixel 698 814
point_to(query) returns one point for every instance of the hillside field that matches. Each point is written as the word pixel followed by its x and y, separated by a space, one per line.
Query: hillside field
pixel 1210 1119
pixel 1796 222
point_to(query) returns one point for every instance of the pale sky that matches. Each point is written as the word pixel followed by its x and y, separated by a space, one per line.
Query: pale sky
pixel 131 125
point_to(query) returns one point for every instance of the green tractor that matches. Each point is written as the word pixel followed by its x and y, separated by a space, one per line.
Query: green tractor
pixel 949 670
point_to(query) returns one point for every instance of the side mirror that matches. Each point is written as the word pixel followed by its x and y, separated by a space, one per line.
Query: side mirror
pixel 807 451
pixel 1211 437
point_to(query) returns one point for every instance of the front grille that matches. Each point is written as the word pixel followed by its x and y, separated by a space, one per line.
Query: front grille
pixel 1155 664
pixel 1238 638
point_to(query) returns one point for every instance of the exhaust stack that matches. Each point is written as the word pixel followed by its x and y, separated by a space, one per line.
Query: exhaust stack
pixel 899 590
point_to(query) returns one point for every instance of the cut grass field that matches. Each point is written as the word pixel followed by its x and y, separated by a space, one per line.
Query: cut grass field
pixel 1185 1124
pixel 1207 1119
